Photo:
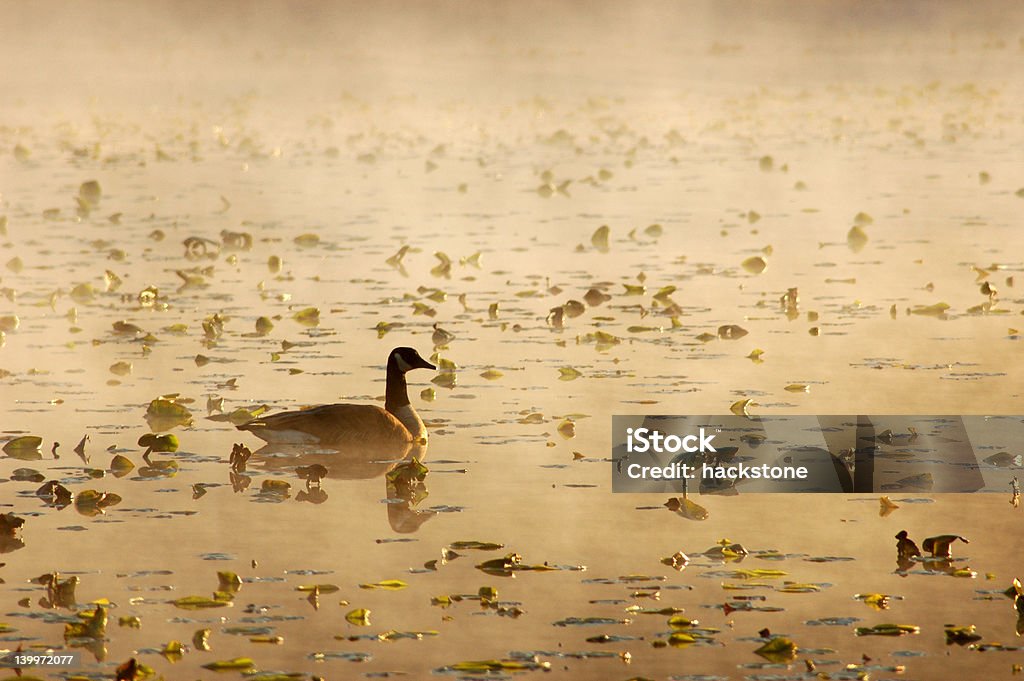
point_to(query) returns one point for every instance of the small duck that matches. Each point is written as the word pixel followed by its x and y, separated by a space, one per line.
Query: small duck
pixel 332 425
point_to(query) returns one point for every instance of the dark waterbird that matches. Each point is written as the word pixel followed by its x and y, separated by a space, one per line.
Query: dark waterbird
pixel 341 425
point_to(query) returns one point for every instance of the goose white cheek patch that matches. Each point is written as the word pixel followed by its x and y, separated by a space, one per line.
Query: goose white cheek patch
pixel 402 364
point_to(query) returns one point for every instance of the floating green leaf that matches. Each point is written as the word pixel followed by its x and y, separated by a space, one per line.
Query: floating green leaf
pixel 121 368
pixel 309 316
pixel 779 650
pixel 961 635
pixel 484 666
pixel 161 444
pixel 264 326
pixel 477 545
pixel 235 664
pixel 199 603
pixel 307 240
pixel 164 414
pixel 936 310
pixel 25 447
pixel 93 625
pixel 888 630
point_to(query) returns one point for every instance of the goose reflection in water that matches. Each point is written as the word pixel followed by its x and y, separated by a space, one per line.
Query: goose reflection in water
pixel 401 467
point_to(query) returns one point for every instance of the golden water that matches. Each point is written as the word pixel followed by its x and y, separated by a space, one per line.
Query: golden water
pixel 280 125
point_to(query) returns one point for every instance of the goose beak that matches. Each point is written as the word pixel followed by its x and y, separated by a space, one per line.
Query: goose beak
pixel 423 364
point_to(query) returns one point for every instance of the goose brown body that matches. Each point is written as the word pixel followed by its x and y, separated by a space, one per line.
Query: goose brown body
pixel 365 425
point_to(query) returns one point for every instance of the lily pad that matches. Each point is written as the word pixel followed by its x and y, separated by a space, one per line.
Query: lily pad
pixel 234 664
pixel 780 650
pixel 387 585
pixel 199 603
pixel 25 448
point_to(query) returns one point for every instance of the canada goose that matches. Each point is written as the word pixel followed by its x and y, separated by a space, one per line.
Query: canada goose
pixel 397 424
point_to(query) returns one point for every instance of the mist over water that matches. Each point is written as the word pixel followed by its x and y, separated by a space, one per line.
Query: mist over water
pixel 810 208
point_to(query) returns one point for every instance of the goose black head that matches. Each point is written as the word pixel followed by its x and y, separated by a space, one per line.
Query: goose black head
pixel 407 359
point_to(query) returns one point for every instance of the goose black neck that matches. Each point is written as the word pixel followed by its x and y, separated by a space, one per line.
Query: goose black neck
pixel 396 395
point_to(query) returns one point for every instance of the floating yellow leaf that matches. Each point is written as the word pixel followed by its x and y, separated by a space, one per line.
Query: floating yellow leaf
pixel 307 240
pixel 680 639
pixel 9 323
pixel 280 487
pixel 600 238
pixel 121 368
pixel 886 506
pixel 687 508
pixel 568 374
pixel 387 585
pixel 936 310
pixel 741 407
pixel 798 588
pixel 444 266
pixel 758 573
pixel 201 639
pixel 90 192
pixel 94 625
pixel 319 588
pixel 445 380
pixel 856 239
pixel 309 316
pixel 423 309
pixel 567 429
pixel 680 622
pixel 121 465
pixel 798 388
pixel 199 603
pixel 755 264
pixel 264 326
pixel 359 617
pixel 731 332
pixel 491 374
pixel 234 664
pixel 83 293
pixel 574 308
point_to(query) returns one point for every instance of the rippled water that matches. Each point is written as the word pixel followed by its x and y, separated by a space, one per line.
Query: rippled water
pixel 334 181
